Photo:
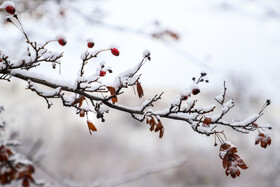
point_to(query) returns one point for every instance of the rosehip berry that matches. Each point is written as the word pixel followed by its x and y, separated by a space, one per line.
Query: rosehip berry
pixel 10 9
pixel 195 91
pixel 62 41
pixel 102 73
pixel 90 44
pixel 115 51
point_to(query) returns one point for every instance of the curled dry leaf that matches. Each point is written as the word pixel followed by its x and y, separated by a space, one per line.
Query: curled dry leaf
pixel 91 127
pixel 155 126
pixel 161 133
pixel 79 101
pixel 82 113
pixel 159 126
pixel 140 91
pixel 263 139
pixel 207 122
pixel 231 161
pixel 112 90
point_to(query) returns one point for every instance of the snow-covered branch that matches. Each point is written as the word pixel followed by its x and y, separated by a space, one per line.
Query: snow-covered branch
pixel 89 94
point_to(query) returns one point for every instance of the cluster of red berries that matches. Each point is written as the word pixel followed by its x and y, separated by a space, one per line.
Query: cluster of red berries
pixel 90 44
pixel 195 91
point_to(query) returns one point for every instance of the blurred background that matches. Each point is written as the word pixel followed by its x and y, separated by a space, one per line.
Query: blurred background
pixel 235 40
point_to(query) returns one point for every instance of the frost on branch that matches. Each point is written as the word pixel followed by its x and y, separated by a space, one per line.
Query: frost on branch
pixel 90 96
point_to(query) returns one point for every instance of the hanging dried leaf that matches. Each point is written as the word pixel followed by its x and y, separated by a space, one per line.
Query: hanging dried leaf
pixel 147 121
pixel 263 139
pixel 159 126
pixel 140 91
pixel 112 90
pixel 82 113
pixel 79 101
pixel 161 132
pixel 231 161
pixel 152 127
pixel 91 127
pixel 114 100
pixel 152 121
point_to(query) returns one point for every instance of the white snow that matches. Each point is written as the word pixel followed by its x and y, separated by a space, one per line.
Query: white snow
pixel 60 36
pixel 7 3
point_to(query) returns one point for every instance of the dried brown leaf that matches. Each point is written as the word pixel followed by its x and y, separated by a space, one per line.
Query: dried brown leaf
pixel 152 122
pixel 147 121
pixel 25 182
pixel 225 163
pixel 263 139
pixel 91 127
pixel 152 127
pixel 112 90
pixel 82 113
pixel 207 121
pixel 114 100
pixel 161 133
pixel 79 101
pixel 140 91
pixel 159 126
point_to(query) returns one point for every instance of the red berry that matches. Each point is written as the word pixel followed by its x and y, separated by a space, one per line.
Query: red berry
pixel 10 9
pixel 115 51
pixel 185 97
pixel 62 41
pixel 102 73
pixel 90 44
pixel 195 91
